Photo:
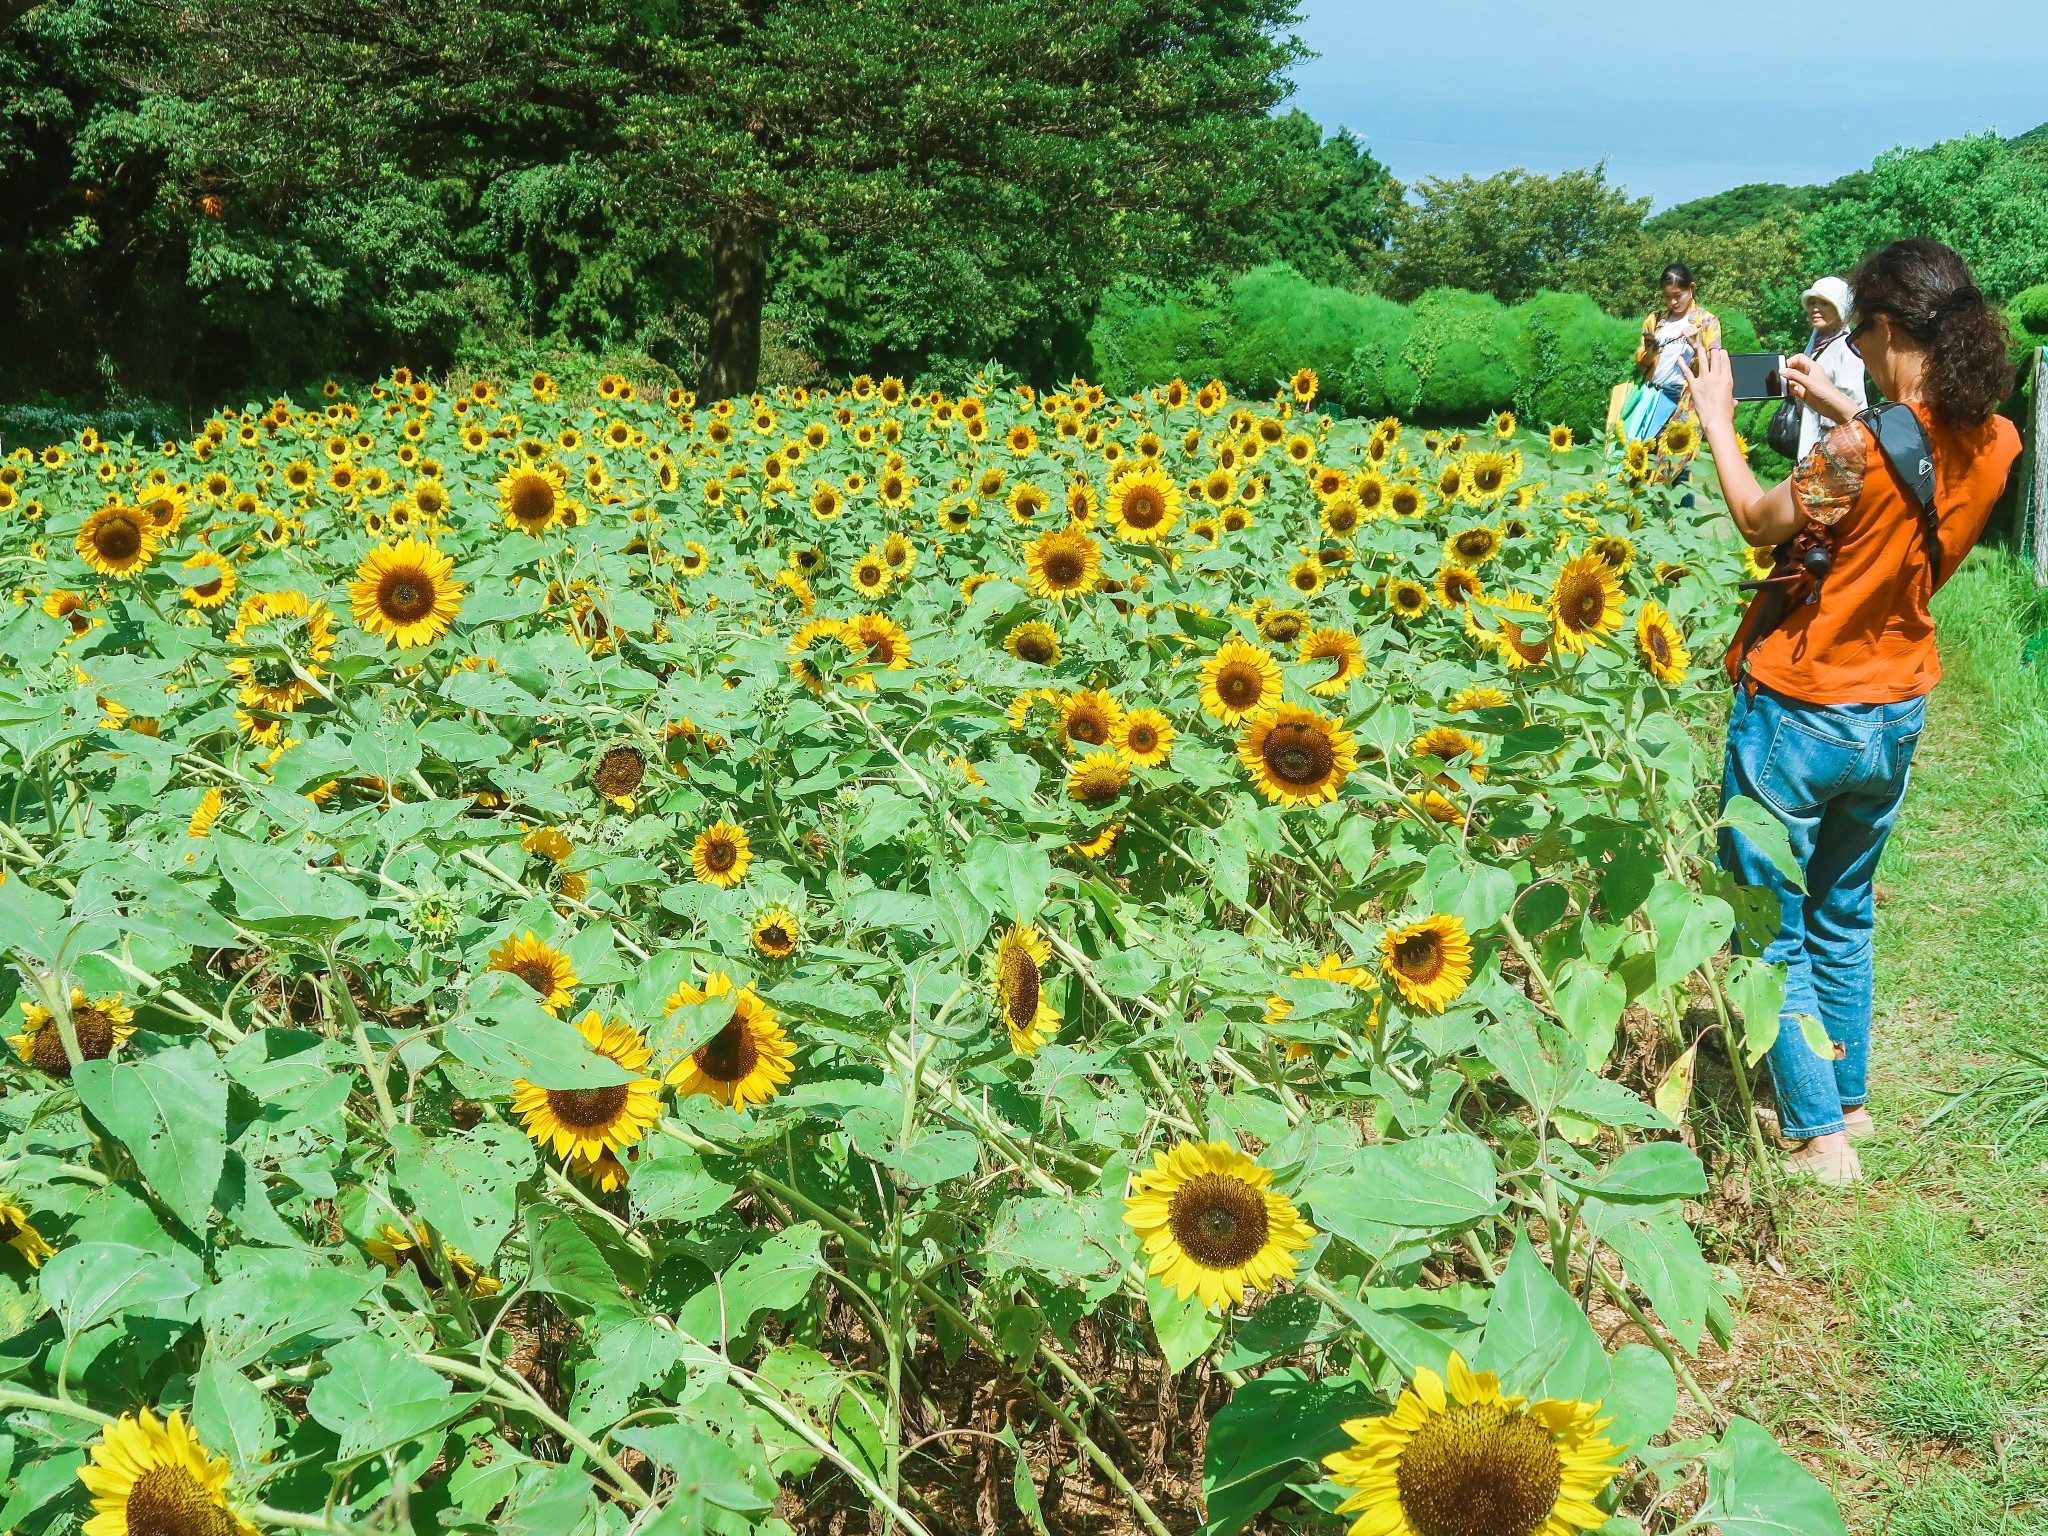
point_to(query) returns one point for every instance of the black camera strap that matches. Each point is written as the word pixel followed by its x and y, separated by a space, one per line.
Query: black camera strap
pixel 1905 447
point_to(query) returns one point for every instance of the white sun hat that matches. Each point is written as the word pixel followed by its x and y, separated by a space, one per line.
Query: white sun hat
pixel 1834 291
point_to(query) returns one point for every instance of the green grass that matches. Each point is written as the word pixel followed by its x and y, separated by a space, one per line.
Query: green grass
pixel 1940 1262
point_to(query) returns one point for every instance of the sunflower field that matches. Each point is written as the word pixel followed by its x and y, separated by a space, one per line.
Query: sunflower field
pixel 864 961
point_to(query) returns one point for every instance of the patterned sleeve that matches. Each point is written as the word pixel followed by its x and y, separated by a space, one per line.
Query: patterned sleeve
pixel 1710 330
pixel 1830 478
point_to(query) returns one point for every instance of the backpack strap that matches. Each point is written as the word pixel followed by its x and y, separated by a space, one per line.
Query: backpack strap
pixel 1904 444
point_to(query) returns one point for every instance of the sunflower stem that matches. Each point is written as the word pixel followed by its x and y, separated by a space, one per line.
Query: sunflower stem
pixel 11 1397
pixel 335 985
pixel 1658 1342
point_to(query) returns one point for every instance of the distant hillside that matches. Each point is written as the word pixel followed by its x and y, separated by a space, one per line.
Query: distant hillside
pixel 1740 208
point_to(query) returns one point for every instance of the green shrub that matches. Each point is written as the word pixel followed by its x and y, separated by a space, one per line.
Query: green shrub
pixel 1450 356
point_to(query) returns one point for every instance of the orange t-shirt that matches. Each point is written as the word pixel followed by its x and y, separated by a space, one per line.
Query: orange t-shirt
pixel 1870 638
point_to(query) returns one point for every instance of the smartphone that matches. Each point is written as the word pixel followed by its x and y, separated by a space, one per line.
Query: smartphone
pixel 1758 375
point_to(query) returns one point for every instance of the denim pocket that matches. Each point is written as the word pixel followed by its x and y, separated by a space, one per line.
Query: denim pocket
pixel 1902 758
pixel 1804 768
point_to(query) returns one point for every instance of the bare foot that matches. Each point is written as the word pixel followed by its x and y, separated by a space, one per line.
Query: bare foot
pixel 1858 1124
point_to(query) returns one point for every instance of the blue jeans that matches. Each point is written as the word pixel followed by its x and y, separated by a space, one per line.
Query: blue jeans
pixel 1834 775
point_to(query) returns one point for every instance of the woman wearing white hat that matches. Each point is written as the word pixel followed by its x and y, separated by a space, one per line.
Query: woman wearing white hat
pixel 1828 303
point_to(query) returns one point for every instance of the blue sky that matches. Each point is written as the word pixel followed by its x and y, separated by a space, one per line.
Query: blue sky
pixel 1786 90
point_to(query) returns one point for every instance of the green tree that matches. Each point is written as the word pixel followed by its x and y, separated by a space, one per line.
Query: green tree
pixel 1066 141
pixel 1337 210
pixel 1510 234
pixel 1980 194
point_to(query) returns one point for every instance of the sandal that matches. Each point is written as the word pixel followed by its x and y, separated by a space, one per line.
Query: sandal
pixel 1836 1169
pixel 1858 1123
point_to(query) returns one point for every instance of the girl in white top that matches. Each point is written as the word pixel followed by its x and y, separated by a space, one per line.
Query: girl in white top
pixel 1827 302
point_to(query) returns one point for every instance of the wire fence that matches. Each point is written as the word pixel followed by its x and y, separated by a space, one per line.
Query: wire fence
pixel 2034 472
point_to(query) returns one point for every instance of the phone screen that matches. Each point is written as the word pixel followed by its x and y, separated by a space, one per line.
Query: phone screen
pixel 1758 375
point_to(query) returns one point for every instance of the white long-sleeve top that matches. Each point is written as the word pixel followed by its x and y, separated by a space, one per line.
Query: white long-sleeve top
pixel 1845 369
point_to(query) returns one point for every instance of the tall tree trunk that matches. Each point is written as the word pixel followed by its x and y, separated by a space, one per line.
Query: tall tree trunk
pixel 739 280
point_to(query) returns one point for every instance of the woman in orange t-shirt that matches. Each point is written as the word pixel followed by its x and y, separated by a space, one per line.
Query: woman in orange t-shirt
pixel 1831 693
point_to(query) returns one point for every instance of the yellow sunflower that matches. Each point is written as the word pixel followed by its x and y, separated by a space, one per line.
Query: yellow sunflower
pixel 530 495
pixel 1062 563
pixel 1458 586
pixel 1307 576
pixel 214 591
pixel 395 1248
pixel 1145 737
pixel 879 640
pixel 1018 979
pixel 721 854
pixel 1560 439
pixel 587 1122
pixel 1240 679
pixel 1447 744
pixel 1429 961
pixel 776 933
pixel 279 625
pixel 1144 506
pixel 1615 550
pixel 1661 644
pixel 1329 968
pixel 150 1475
pixel 618 773
pixel 18 1232
pixel 1098 777
pixel 1282 626
pixel 1459 1458
pixel 1408 599
pixel 403 591
pixel 1296 756
pixel 747 1061
pixel 1337 650
pixel 1212 1224
pixel 1090 718
pixel 541 966
pixel 205 813
pixel 1481 697
pixel 117 541
pixel 806 640
pixel 1585 603
pixel 1473 546
pixel 101 1024
pixel 871 576
pixel 1034 642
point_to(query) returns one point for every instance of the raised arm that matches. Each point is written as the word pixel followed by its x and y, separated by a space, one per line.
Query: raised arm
pixel 1763 517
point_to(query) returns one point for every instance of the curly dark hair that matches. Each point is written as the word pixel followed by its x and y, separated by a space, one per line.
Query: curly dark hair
pixel 1927 290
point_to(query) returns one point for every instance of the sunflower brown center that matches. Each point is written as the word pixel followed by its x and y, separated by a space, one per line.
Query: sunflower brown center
pixel 1419 957
pixel 1307 579
pixel 869 576
pixel 1487 479
pixel 720 855
pixel 95 1040
pixel 117 539
pixel 775 937
pixel 1473 545
pixel 405 596
pixel 1660 648
pixel 1282 627
pixel 1020 985
pixel 1035 648
pixel 208 588
pixel 10 1229
pixel 537 974
pixel 1343 519
pixel 1219 1221
pixel 729 1055
pixel 1298 754
pixel 1099 784
pixel 619 771
pixel 586 1109
pixel 1587 604
pixel 1143 739
pixel 1478 1470
pixel 1239 686
pixel 1063 567
pixel 1144 507
pixel 169 1501
pixel 1089 727
pixel 533 499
